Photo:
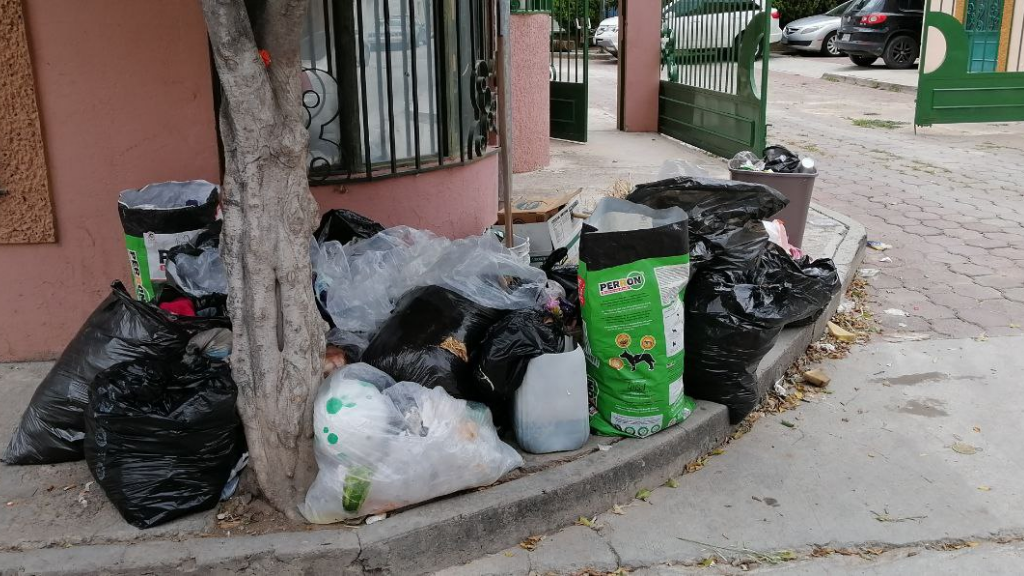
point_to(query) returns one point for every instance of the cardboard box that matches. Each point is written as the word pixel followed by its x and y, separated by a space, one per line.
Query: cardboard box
pixel 549 224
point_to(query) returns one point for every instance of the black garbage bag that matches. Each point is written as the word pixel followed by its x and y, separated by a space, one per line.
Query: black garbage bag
pixel 780 159
pixel 715 207
pixel 500 360
pixel 734 318
pixel 344 226
pixel 430 338
pixel 120 329
pixel 163 436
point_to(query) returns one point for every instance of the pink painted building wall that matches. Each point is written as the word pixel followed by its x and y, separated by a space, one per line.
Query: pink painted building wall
pixel 530 85
pixel 125 99
pixel 640 67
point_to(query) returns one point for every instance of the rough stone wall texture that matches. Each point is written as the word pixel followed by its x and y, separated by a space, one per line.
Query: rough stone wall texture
pixel 531 91
pixel 26 212
pixel 125 97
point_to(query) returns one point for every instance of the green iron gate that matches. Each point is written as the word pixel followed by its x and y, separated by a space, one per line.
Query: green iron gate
pixel 964 85
pixel 712 95
pixel 569 69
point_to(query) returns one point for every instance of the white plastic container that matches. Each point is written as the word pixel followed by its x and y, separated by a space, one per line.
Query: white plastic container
pixel 551 412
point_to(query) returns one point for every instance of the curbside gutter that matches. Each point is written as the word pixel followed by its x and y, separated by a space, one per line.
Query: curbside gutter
pixel 454 530
pixel 868 83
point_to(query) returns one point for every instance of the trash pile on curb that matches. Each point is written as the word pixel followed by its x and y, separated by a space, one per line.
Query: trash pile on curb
pixel 443 354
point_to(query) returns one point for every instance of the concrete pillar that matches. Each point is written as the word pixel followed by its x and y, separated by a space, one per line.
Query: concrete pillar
pixel 530 36
pixel 639 65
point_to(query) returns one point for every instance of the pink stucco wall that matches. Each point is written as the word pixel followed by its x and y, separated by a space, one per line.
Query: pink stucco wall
pixel 455 202
pixel 125 99
pixel 530 37
pixel 640 28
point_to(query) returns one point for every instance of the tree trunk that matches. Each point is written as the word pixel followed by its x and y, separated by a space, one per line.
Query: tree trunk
pixel 269 216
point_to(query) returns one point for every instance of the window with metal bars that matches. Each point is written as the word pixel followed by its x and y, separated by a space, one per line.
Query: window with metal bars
pixel 396 86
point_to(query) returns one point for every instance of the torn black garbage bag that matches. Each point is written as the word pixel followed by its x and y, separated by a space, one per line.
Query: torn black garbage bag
pixel 501 360
pixel 120 329
pixel 733 319
pixel 162 436
pixel 344 226
pixel 430 338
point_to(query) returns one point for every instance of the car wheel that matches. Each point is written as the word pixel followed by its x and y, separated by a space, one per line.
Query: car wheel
pixel 901 53
pixel 864 61
pixel 830 46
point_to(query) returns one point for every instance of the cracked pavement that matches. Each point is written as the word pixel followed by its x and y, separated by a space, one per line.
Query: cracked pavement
pixel 870 466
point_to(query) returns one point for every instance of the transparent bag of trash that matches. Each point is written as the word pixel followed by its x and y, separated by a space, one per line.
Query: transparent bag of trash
pixel 360 282
pixel 382 446
pixel 201 274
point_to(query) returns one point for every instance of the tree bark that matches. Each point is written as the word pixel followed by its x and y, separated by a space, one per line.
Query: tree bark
pixel 269 216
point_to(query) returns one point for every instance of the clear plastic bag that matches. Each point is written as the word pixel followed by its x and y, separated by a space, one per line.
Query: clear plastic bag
pixel 382 446
pixel 360 282
pixel 202 274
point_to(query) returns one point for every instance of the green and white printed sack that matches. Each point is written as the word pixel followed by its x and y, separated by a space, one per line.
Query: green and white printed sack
pixel 634 266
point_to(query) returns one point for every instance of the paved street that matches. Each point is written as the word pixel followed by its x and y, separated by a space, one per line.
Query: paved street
pixel 911 463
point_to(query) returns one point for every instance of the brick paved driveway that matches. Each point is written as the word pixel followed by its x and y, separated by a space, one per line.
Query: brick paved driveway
pixel 950 200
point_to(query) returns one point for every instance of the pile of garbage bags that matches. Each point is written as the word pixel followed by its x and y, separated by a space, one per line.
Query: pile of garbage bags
pixel 448 348
pixel 743 289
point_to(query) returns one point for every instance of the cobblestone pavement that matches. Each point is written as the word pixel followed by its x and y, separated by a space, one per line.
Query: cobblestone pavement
pixel 950 201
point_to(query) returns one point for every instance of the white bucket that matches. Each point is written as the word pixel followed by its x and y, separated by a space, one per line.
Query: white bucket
pixel 521 249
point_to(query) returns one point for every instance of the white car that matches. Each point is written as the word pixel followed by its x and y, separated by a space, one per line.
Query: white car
pixel 607 36
pixel 714 24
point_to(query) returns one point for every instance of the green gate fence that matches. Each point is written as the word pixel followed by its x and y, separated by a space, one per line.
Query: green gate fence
pixel 965 87
pixel 710 94
pixel 570 40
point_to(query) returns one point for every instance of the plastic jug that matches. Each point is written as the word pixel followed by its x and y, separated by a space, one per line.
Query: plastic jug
pixel 551 412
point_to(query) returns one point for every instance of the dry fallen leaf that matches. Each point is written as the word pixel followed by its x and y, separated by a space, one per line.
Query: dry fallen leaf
pixel 618 510
pixel 531 543
pixel 984 488
pixel 717 452
pixel 964 448
pixel 977 429
pixel 510 554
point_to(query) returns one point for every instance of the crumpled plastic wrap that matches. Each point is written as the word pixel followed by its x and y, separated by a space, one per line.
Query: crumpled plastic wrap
pixel 381 446
pixel 359 283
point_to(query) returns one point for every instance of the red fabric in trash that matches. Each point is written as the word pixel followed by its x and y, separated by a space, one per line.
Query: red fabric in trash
pixel 180 306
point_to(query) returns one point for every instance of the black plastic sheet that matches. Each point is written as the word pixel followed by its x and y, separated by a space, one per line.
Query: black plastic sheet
pixel 430 338
pixel 344 226
pixel 510 344
pixel 120 329
pixel 163 436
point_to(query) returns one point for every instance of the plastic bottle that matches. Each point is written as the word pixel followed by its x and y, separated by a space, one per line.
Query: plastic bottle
pixel 551 413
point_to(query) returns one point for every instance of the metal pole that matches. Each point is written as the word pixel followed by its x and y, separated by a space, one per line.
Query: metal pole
pixel 504 120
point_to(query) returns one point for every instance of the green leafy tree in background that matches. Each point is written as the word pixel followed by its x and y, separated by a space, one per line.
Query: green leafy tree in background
pixel 568 12
pixel 790 10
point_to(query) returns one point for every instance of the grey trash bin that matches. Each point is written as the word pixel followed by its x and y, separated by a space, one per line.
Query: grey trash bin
pixel 796 187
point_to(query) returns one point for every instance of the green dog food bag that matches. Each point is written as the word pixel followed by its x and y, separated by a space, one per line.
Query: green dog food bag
pixel 634 266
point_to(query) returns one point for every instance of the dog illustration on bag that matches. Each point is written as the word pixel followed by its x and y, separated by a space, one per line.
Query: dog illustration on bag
pixel 635 359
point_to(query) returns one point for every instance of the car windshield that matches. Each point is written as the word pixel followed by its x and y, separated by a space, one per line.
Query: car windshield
pixel 839 10
pixel 866 6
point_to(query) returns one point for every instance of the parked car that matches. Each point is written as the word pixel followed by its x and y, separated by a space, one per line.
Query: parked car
pixel 607 36
pixel 816 33
pixel 714 24
pixel 886 29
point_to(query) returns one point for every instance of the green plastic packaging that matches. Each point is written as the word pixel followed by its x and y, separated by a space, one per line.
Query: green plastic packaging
pixel 634 266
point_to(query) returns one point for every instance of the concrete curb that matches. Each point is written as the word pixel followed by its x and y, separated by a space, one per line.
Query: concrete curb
pixel 868 83
pixel 454 530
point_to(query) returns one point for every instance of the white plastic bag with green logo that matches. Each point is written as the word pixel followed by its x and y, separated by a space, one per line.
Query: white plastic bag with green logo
pixel 381 446
pixel 634 266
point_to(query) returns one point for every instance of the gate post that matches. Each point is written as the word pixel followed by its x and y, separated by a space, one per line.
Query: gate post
pixel 639 65
pixel 530 85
